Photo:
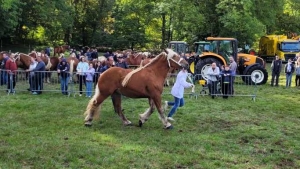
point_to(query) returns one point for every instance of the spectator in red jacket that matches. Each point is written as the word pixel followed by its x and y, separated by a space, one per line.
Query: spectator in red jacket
pixel 11 67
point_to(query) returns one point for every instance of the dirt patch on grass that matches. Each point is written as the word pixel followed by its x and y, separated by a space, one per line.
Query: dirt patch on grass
pixel 220 124
pixel 285 163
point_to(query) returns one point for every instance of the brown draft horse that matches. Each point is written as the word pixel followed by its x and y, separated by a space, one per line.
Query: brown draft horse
pixel 171 72
pixel 23 60
pixel 143 82
pixel 50 62
pixel 136 59
pixel 60 49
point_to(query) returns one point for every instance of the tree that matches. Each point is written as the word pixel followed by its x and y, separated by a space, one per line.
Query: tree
pixel 9 14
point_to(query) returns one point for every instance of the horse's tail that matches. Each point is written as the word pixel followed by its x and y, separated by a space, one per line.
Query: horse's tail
pixel 92 109
pixel 71 66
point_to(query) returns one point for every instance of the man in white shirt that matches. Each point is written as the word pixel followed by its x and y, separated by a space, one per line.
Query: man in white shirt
pixel 213 76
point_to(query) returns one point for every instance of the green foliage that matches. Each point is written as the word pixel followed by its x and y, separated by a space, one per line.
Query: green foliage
pixel 143 24
pixel 9 14
pixel 238 20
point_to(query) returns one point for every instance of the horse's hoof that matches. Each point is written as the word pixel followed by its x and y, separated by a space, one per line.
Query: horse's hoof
pixel 140 123
pixel 88 124
pixel 130 124
pixel 169 127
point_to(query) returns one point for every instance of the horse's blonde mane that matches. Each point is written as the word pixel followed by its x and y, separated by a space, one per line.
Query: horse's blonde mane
pixel 156 58
pixel 128 76
pixel 71 66
pixel 49 65
pixel 101 58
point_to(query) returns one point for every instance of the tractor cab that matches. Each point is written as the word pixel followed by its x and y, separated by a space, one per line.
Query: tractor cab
pixel 201 46
pixel 224 47
pixel 179 46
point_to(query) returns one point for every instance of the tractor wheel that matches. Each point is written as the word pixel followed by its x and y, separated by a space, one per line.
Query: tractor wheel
pixel 258 76
pixel 203 66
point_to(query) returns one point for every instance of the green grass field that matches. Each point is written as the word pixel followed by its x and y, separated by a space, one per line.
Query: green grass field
pixel 46 131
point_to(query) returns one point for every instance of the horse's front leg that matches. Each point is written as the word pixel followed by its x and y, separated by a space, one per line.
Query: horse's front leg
pixel 157 102
pixel 144 117
pixel 116 100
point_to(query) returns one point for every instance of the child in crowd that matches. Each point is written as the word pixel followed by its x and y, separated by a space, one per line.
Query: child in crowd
pixel 226 76
pixel 89 80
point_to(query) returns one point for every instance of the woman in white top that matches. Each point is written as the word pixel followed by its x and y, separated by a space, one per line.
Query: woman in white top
pixel 177 92
pixel 81 69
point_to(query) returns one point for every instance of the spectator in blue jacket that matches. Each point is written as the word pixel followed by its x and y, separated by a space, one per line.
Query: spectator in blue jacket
pixel 121 63
pixel 4 77
pixel 226 81
pixel 39 74
pixel 63 69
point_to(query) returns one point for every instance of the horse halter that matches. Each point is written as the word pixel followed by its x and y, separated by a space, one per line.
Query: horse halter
pixel 177 62
pixel 17 56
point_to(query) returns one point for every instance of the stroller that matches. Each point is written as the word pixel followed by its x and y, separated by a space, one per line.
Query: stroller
pixel 204 89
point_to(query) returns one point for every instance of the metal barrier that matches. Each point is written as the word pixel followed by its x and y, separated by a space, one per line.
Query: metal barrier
pixel 239 85
pixel 40 80
pixel 230 86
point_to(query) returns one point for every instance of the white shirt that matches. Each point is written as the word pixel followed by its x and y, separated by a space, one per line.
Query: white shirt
pixel 180 84
pixel 82 68
pixel 213 74
pixel 32 66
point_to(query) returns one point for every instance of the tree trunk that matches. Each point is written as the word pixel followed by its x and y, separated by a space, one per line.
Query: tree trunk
pixel 67 36
pixel 163 30
pixel 83 36
pixel 170 31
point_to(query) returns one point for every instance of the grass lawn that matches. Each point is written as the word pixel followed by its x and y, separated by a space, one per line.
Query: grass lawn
pixel 46 131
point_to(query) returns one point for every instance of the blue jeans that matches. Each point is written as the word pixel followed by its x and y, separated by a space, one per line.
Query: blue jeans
pixel 288 79
pixel 64 84
pixel 178 102
pixel 3 77
pixel 89 88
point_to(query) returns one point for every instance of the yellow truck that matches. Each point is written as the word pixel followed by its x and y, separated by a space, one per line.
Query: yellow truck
pixel 285 48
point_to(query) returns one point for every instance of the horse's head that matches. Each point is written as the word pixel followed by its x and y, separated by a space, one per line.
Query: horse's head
pixel 17 56
pixel 175 61
pixel 33 54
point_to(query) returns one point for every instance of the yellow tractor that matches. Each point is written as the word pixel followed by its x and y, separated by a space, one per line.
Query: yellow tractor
pixel 220 49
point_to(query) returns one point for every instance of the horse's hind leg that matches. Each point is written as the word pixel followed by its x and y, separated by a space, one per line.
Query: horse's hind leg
pixel 116 99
